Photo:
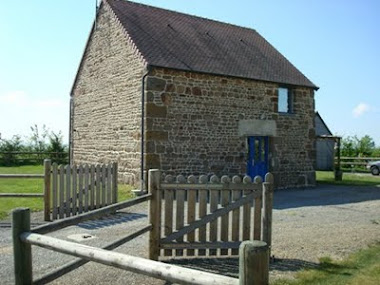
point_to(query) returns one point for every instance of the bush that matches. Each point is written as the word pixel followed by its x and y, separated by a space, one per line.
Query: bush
pixel 56 145
pixel 8 147
pixel 359 147
pixel 40 143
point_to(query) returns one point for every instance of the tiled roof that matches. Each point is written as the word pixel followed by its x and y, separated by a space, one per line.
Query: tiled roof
pixel 180 41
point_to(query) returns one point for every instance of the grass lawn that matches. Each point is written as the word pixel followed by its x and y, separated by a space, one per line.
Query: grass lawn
pixel 360 268
pixel 354 179
pixel 33 186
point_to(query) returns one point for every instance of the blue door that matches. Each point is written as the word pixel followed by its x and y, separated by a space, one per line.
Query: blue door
pixel 258 149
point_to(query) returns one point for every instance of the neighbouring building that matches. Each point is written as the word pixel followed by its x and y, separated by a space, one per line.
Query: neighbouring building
pixel 325 144
pixel 215 98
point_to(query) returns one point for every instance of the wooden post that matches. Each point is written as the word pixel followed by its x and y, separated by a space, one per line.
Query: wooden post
pixel 172 273
pixel 22 252
pixel 267 207
pixel 114 183
pixel 253 263
pixel 47 190
pixel 257 228
pixel 154 213
pixel 338 174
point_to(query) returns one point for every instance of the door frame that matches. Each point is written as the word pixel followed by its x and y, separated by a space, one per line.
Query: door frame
pixel 258 155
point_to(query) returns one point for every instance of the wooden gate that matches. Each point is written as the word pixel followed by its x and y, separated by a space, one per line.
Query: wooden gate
pixel 207 217
pixel 80 188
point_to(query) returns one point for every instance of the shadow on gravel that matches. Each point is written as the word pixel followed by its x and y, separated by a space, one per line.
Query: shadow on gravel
pixel 224 266
pixel 324 195
pixel 111 220
pixel 230 266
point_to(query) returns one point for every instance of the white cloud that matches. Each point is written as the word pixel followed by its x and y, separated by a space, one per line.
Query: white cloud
pixel 19 98
pixel 19 110
pixel 360 109
pixel 49 103
pixel 23 99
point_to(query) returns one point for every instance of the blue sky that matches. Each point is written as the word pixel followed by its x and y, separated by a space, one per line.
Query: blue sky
pixel 336 44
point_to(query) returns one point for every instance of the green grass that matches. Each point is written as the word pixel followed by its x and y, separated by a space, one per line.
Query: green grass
pixel 21 186
pixel 125 192
pixel 361 268
pixel 348 179
pixel 33 186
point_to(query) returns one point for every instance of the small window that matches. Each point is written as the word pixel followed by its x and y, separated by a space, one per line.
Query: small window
pixel 284 100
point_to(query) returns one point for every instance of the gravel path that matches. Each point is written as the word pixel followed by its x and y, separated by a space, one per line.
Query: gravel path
pixel 307 224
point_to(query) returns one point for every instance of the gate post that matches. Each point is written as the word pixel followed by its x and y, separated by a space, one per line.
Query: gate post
pixel 154 213
pixel 268 187
pixel 22 252
pixel 114 182
pixel 47 190
pixel 253 263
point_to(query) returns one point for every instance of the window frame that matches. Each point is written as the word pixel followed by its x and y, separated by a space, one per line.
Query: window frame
pixel 290 100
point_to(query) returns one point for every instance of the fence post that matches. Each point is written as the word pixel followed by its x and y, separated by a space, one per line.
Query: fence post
pixel 47 190
pixel 154 213
pixel 253 263
pixel 114 182
pixel 268 188
pixel 22 252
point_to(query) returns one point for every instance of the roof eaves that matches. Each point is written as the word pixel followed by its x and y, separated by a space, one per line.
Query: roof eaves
pixel 237 76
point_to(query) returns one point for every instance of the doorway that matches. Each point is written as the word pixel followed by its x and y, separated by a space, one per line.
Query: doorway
pixel 258 150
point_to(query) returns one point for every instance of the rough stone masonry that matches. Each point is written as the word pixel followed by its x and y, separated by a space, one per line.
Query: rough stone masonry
pixel 195 123
pixel 198 124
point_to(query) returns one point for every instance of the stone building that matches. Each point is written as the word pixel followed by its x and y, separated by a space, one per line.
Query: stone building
pixel 215 98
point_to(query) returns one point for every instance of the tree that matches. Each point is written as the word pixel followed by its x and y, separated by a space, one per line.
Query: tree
pixel 8 147
pixel 348 147
pixel 56 146
pixel 365 146
pixel 376 152
pixel 353 146
pixel 38 138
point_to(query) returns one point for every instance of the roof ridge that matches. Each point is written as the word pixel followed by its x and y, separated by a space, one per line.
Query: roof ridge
pixel 129 38
pixel 188 15
pixel 192 48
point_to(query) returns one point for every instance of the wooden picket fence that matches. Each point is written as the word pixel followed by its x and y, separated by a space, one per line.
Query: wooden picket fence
pixel 81 188
pixel 71 190
pixel 188 217
pixel 201 217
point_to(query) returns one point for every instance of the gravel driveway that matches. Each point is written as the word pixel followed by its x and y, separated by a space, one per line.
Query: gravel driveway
pixel 307 224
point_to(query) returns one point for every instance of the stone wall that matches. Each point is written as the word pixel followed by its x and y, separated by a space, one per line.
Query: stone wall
pixel 107 100
pixel 195 123
pixel 193 126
